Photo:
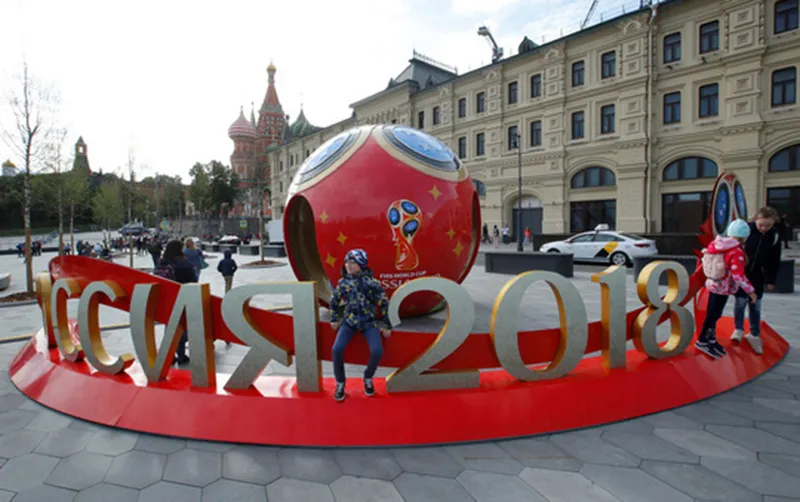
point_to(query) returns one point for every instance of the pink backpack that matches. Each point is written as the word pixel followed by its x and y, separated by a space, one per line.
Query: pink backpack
pixel 714 265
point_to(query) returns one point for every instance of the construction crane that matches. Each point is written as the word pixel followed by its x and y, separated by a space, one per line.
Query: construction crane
pixel 497 52
pixel 589 15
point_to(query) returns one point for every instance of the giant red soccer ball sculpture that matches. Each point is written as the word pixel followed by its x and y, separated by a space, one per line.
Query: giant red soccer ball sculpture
pixel 394 191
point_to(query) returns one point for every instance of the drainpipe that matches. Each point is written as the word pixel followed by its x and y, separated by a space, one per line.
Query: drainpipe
pixel 649 118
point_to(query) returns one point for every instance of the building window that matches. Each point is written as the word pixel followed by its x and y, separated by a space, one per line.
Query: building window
pixel 786 160
pixel 709 100
pixel 480 102
pixel 786 200
pixel 480 145
pixel 577 125
pixel 672 48
pixel 536 133
pixel 308 152
pixel 593 177
pixel 672 108
pixel 480 187
pixel 280 186
pixel 437 115
pixel 785 16
pixel 462 108
pixel 585 216
pixel 690 168
pixel 513 137
pixel 684 212
pixel 421 120
pixel 609 60
pixel 784 87
pixel 536 85
pixel 607 121
pixel 577 74
pixel 280 166
pixel 462 147
pixel 291 160
pixel 709 37
pixel 512 93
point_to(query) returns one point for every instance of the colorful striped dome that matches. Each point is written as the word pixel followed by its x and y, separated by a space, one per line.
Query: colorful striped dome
pixel 242 128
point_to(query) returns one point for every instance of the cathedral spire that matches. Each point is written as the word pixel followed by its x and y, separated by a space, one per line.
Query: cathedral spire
pixel 252 114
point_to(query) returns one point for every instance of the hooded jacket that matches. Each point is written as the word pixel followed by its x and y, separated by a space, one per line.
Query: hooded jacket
pixel 735 278
pixel 227 266
pixel 763 258
pixel 358 299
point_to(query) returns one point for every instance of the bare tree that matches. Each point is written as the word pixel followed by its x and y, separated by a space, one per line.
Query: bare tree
pixel 261 173
pixel 34 107
pixel 53 184
pixel 131 164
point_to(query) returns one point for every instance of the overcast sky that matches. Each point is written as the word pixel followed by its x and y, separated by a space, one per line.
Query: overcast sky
pixel 167 78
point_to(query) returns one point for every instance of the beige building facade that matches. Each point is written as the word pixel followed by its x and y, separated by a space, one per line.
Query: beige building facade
pixel 625 123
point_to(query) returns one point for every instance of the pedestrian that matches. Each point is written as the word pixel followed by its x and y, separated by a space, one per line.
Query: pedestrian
pixel 355 306
pixel 227 267
pixel 485 235
pixel 787 233
pixel 763 253
pixel 528 235
pixel 506 235
pixel 496 235
pixel 155 252
pixel 194 255
pixel 724 266
pixel 174 266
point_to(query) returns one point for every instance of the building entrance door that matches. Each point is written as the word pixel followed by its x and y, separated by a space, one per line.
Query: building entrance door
pixel 531 217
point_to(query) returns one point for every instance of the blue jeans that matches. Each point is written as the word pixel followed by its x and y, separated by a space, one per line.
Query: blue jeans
pixel 755 314
pixel 346 332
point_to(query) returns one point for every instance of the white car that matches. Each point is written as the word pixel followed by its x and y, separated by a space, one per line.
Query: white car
pixel 601 245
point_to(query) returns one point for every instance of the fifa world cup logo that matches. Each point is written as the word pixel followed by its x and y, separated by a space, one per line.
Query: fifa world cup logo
pixel 405 219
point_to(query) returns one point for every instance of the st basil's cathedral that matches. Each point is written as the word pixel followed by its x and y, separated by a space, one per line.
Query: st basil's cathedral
pixel 254 140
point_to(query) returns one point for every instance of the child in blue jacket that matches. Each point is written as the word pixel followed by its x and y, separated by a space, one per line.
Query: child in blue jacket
pixel 355 305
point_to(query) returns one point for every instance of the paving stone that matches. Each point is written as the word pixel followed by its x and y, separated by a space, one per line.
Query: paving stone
pixel 82 425
pixel 294 490
pixel 560 486
pixel 14 420
pixel 493 487
pixel 105 492
pixel 630 485
pixel 635 426
pixel 484 457
pixel 354 489
pixel 755 439
pixel 49 421
pixel 64 442
pixel 26 471
pixel 309 465
pixel 226 490
pixel 699 482
pixel 20 442
pixel 163 492
pixel 535 452
pixel 80 471
pixel 136 469
pixel 209 446
pixel 111 442
pixel 705 444
pixel 756 476
pixel 432 460
pixel 594 450
pixel 11 401
pixel 159 444
pixel 757 412
pixel 420 488
pixel 788 386
pixel 705 413
pixel 193 467
pixel 6 496
pixel 780 499
pixel 251 464
pixel 650 447
pixel 788 406
pixel 671 420
pixel 785 463
pixel 788 431
pixel 368 463
pixel 757 389
pixel 46 493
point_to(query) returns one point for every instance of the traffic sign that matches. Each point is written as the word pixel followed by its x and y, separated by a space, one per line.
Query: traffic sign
pixel 243 223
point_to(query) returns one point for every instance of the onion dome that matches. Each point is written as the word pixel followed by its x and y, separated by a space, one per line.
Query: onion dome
pixel 242 128
pixel 302 127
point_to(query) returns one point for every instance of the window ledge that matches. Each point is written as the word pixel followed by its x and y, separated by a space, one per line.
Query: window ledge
pixel 784 108
pixel 704 122
pixel 608 80
pixel 579 141
pixel 674 64
pixel 534 149
pixel 672 127
pixel 610 136
pixel 479 158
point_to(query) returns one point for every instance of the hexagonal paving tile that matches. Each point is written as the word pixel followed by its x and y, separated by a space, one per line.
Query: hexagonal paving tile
pixel 105 492
pixel 251 464
pixel 79 471
pixel 699 482
pixel 163 491
pixel 6 496
pixel 309 465
pixel 671 420
pixel 492 487
pixel 704 444
pixel 650 447
pixel 226 490
pixel 705 413
pixel 594 450
pixel 788 431
pixel 629 484
pixel 293 490
pixel 159 444
pixel 136 469
pixel 13 420
pixel 112 442
pixel 11 401
pixel 43 492
pixel 786 463
pixel 193 467
pixel 430 460
pixel 355 489
pixel 755 439
pixel 212 446
pixel 565 486
pixel 420 488
pixel 49 421
pixel 787 406
pixel 755 411
pixel 368 463
pixel 64 442
pixel 484 457
pixel 537 452
pixel 757 476
pixel 26 471
pixel 20 442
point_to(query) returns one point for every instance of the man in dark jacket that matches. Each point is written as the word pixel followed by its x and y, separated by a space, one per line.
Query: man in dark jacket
pixel 763 253
pixel 227 267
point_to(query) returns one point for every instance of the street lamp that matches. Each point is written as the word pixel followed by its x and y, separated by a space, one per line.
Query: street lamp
pixel 518 145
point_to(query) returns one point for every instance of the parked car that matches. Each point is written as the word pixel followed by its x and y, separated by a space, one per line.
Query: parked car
pixel 230 239
pixel 604 245
pixel 132 229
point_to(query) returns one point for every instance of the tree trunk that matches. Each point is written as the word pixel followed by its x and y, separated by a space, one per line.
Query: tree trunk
pixel 27 222
pixel 260 233
pixel 60 224
pixel 72 227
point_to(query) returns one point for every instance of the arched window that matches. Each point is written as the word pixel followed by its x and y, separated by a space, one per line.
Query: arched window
pixel 480 186
pixel 787 159
pixel 690 168
pixel 592 177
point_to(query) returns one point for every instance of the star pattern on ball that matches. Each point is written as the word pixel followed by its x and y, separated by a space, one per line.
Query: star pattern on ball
pixel 451 233
pixel 435 192
pixel 342 238
pixel 458 249
pixel 330 260
pixel 324 217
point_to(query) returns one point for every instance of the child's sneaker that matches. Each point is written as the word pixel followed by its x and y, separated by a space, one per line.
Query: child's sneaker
pixel 706 348
pixel 755 344
pixel 719 349
pixel 369 389
pixel 339 394
pixel 737 335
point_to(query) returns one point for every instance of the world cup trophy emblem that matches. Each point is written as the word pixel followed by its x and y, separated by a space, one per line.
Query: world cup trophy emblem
pixel 405 218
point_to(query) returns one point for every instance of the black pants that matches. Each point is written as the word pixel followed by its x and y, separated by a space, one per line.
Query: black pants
pixel 716 306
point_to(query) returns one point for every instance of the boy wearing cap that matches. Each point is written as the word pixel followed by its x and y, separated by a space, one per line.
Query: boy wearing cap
pixel 355 305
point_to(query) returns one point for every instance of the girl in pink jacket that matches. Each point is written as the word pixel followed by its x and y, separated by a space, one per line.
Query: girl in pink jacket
pixel 724 264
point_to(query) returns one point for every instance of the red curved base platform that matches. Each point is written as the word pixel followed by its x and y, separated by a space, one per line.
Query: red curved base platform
pixel 274 413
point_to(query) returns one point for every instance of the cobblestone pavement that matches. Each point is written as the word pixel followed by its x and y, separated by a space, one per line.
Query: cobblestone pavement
pixel 739 446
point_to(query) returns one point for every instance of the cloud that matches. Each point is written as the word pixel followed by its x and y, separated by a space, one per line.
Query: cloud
pixel 472 7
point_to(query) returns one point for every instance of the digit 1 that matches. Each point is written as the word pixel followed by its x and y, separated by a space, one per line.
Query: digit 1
pixel 612 315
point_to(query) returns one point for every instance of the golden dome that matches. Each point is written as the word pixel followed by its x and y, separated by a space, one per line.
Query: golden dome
pixel 271 67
